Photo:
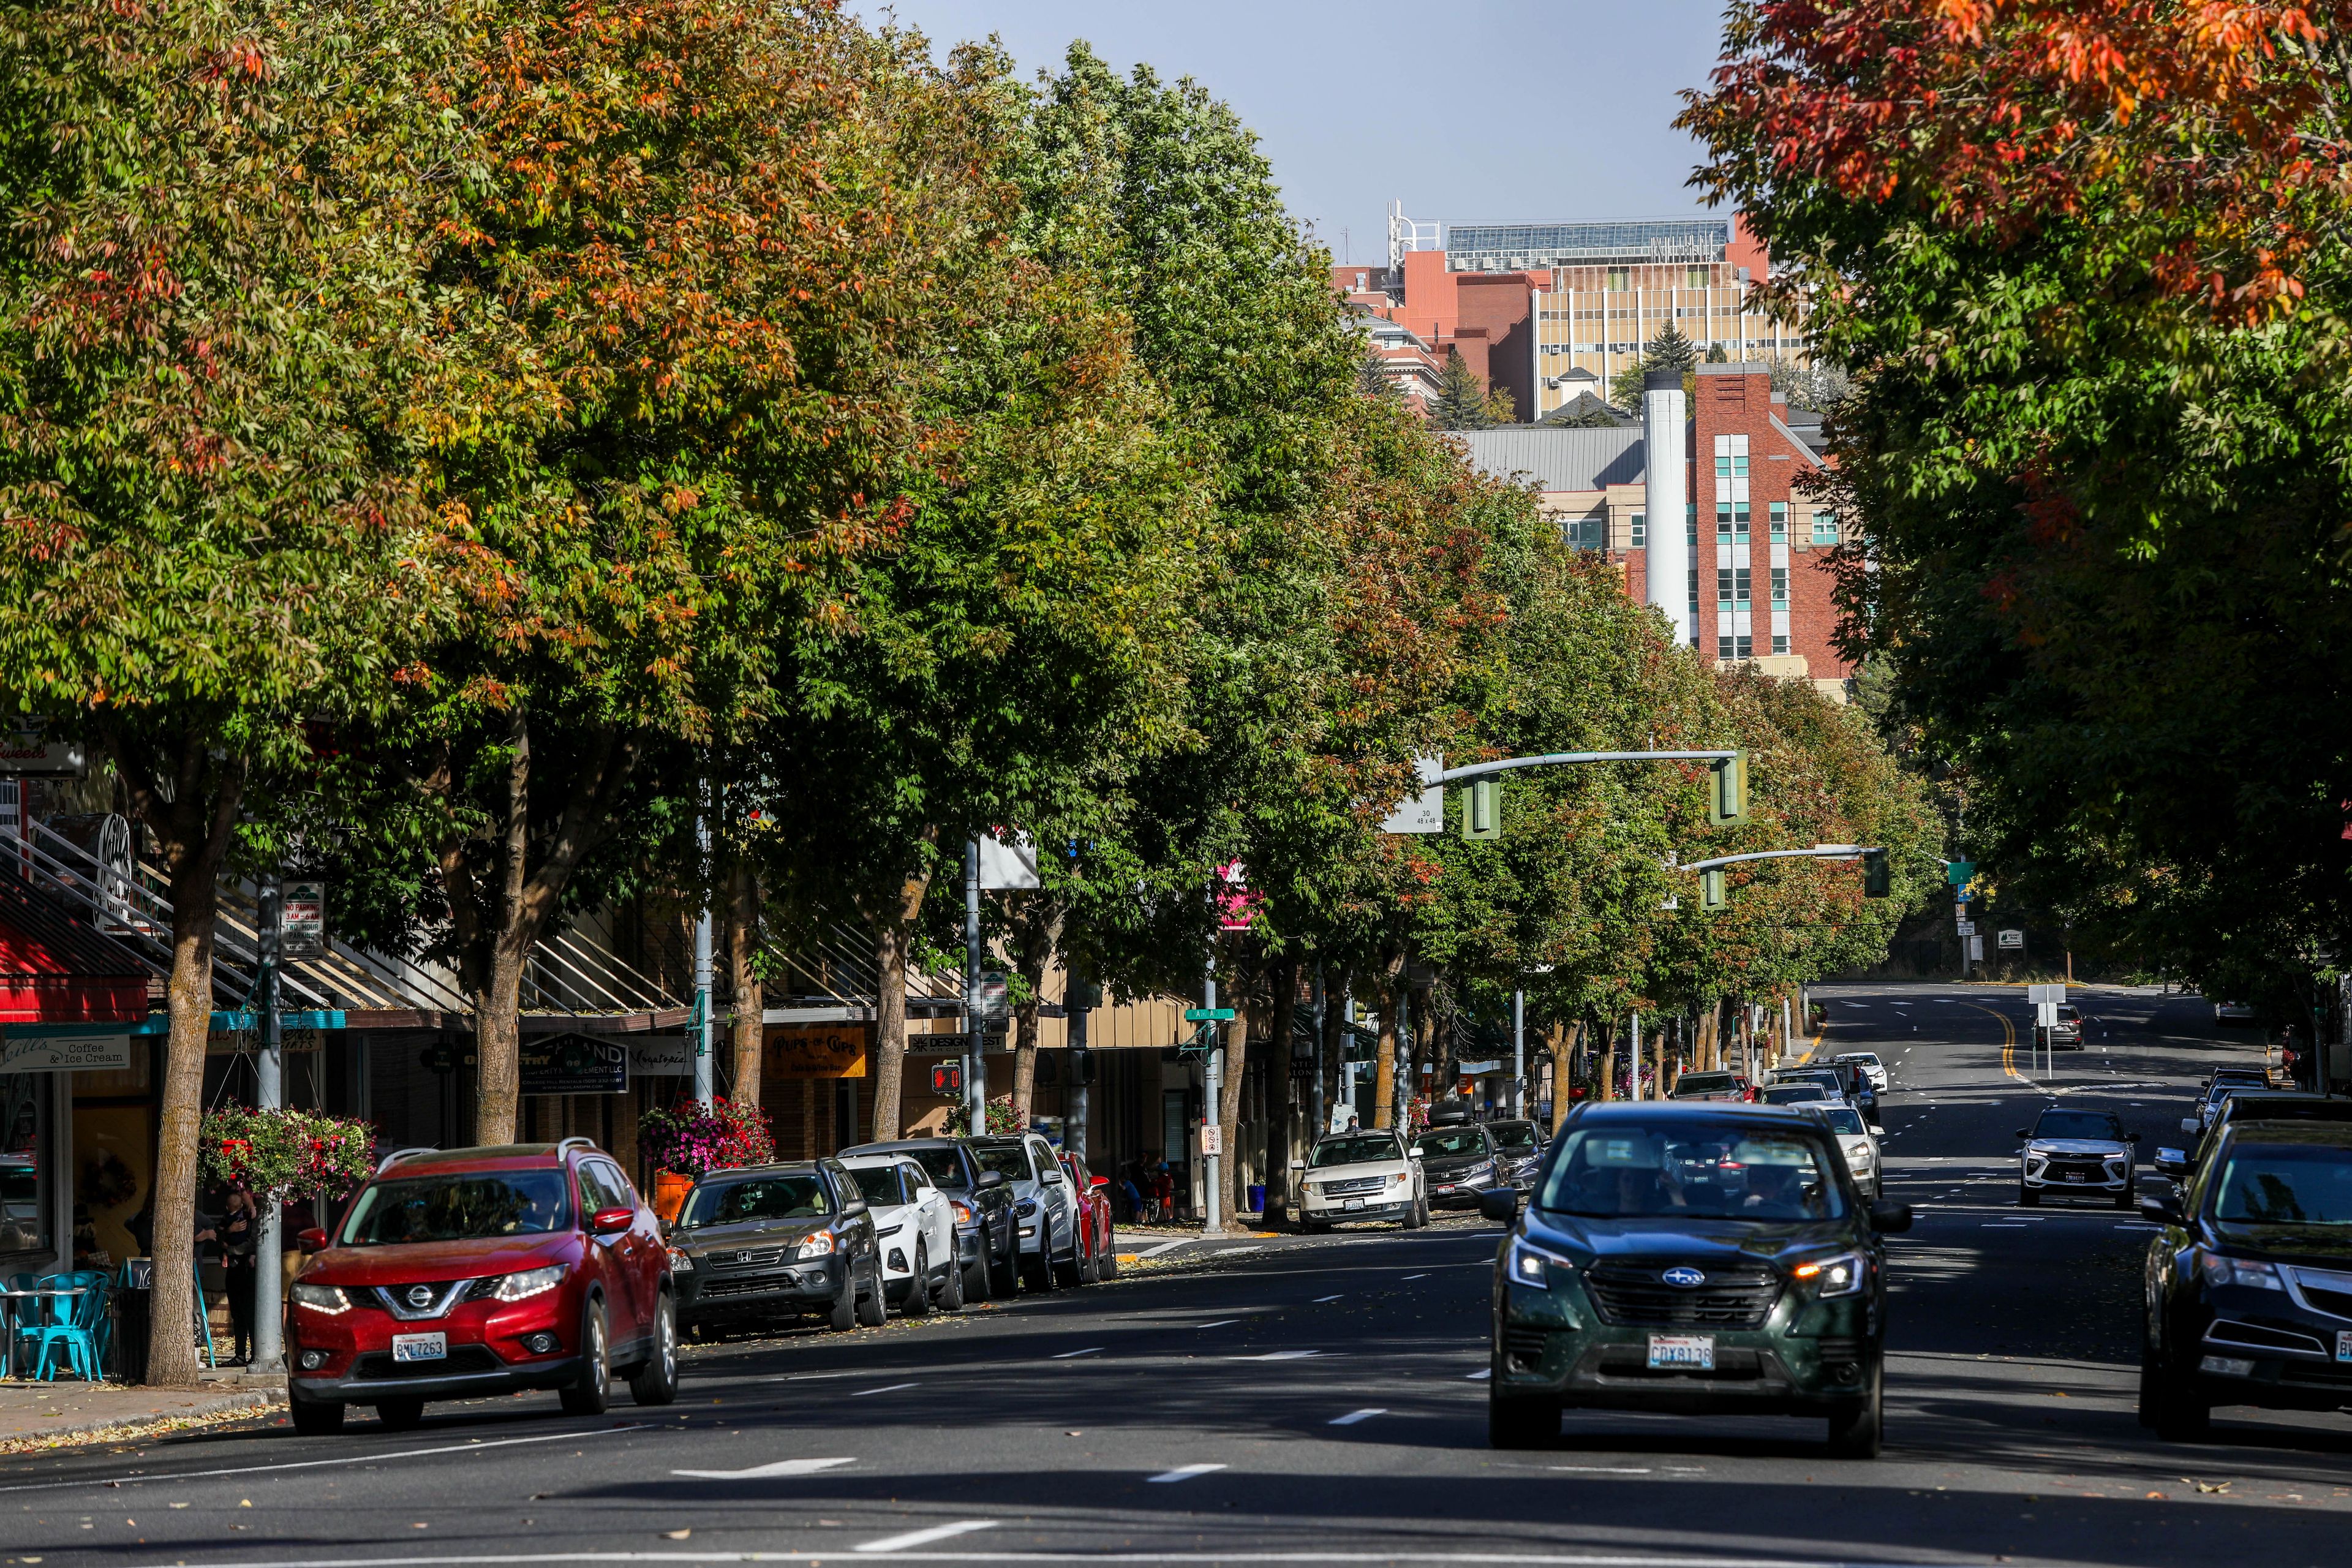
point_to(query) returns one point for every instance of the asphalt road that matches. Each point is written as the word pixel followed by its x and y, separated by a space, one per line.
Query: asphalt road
pixel 1320 1401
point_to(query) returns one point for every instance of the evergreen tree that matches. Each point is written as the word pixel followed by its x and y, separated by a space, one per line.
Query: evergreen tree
pixel 1372 376
pixel 1461 402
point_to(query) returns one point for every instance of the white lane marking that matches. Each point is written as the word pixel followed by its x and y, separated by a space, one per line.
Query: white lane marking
pixel 915 1538
pixel 767 1472
pixel 1320 1300
pixel 1186 1472
pixel 136 1477
pixel 1353 1416
pixel 1476 1376
pixel 1220 1324
pixel 1350 1559
pixel 1067 1354
pixel 1416 1276
pixel 1280 1356
pixel 1598 1471
pixel 886 1389
pixel 1165 1247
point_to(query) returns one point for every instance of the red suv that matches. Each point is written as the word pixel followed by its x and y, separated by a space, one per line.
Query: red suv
pixel 464 1272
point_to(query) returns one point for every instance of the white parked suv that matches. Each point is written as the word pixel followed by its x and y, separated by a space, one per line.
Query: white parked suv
pixel 914 1228
pixel 1362 1176
pixel 1858 1141
pixel 1873 1068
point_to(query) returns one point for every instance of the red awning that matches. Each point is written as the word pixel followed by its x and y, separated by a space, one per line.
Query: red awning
pixel 57 967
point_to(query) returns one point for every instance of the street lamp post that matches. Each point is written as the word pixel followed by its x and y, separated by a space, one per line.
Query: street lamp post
pixel 268 1270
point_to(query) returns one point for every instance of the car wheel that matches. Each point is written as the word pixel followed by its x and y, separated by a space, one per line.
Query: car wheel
pixel 591 1394
pixel 1856 1433
pixel 1072 1274
pixel 2127 1199
pixel 2175 1414
pixel 1312 1228
pixel 951 1288
pixel 872 1309
pixel 1004 1269
pixel 655 1381
pixel 1520 1422
pixel 843 1316
pixel 1039 1275
pixel 2027 1198
pixel 1108 1267
pixel 978 1279
pixel 316 1419
pixel 399 1414
pixel 917 1303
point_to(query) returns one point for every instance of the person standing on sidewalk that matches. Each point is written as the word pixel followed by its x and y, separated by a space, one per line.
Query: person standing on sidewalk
pixel 240 1236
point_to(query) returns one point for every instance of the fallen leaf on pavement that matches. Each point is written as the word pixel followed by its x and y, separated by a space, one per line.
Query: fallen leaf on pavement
pixel 678 1535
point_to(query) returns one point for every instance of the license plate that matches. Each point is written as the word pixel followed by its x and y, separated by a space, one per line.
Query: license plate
pixel 2343 1344
pixel 1445 1186
pixel 1352 1203
pixel 2076 1176
pixel 420 1347
pixel 1693 1352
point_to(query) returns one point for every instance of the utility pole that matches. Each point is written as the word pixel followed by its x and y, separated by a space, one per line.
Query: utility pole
pixel 268 1266
pixel 705 1088
pixel 1212 1126
pixel 1519 1052
pixel 1633 1067
pixel 1077 1002
pixel 975 1082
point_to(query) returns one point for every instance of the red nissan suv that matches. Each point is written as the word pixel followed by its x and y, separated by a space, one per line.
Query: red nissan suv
pixel 464 1272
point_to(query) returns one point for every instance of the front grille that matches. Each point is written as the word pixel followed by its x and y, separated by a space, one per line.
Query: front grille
pixel 2254 1336
pixel 746 1258
pixel 445 1294
pixel 1734 1295
pixel 1354 1187
pixel 461 1360
pixel 718 1287
pixel 1523 1348
pixel 2089 1170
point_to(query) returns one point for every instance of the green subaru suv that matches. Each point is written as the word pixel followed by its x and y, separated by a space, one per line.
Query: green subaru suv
pixel 1695 1258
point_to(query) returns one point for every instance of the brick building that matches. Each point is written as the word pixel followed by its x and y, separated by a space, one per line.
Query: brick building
pixel 1743 571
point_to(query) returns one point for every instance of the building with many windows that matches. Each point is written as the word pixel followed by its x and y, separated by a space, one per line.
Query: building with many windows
pixel 1744 573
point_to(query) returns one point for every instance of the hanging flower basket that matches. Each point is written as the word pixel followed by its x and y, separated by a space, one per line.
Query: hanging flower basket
pixel 690 1141
pixel 286 1154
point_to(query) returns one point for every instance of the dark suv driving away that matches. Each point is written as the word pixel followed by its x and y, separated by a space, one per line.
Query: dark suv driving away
pixel 2249 1287
pixel 1696 1258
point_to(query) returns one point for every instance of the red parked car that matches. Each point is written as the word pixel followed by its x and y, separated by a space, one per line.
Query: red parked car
pixel 458 1273
pixel 1098 1251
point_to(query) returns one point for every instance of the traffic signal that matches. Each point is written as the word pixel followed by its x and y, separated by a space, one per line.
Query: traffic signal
pixel 1877 876
pixel 947 1078
pixel 1483 818
pixel 1728 799
pixel 1711 895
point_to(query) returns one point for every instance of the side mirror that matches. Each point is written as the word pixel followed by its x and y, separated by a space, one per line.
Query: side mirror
pixel 1414 1152
pixel 1890 1219
pixel 612 1221
pixel 2024 1132
pixel 1298 1164
pixel 2173 1163
pixel 852 1209
pixel 1876 1130
pixel 2166 1210
pixel 1100 1182
pixel 991 1179
pixel 1501 1204
pixel 313 1239
pixel 2189 1125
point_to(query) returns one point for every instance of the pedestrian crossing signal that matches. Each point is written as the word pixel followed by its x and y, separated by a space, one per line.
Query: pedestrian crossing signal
pixel 1877 876
pixel 947 1078
pixel 1711 893
pixel 1728 795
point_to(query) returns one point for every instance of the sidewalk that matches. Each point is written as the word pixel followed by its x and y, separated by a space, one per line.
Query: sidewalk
pixel 46 1415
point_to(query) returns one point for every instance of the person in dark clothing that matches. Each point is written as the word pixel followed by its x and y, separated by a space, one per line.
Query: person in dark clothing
pixel 241 1234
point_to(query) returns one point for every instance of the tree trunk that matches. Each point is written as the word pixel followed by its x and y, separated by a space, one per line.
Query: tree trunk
pixel 751 996
pixel 1609 1067
pixel 1281 1019
pixel 1229 1111
pixel 1563 1058
pixel 1384 1065
pixel 890 1004
pixel 1024 1053
pixel 1331 1059
pixel 498 1046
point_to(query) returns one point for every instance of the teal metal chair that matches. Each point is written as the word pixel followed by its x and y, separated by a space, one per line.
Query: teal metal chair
pixel 70 1322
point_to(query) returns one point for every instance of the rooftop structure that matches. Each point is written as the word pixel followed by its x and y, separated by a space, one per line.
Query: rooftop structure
pixel 1639 242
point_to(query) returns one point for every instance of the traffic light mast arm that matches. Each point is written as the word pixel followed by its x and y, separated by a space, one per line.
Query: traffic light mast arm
pixel 1480 770
pixel 1818 852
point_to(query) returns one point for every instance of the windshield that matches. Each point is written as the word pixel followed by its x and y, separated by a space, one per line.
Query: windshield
pixel 2094 1124
pixel 1796 1094
pixel 1845 1118
pixel 877 1184
pixel 798 1196
pixel 1867 1058
pixel 2067 1011
pixel 1457 1141
pixel 1354 1152
pixel 1692 1171
pixel 1010 1161
pixel 1512 1137
pixel 460 1208
pixel 1704 1082
pixel 2275 1185
pixel 942 1166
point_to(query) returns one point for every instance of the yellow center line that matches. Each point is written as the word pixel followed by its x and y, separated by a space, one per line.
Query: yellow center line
pixel 2008 1041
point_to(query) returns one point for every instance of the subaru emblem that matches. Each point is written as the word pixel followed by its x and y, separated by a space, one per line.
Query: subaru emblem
pixel 1684 1277
pixel 420 1296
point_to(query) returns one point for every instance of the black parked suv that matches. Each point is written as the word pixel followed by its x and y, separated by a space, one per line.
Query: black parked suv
pixel 2250 1284
pixel 1518 1151
pixel 764 1242
pixel 987 1245
pixel 1697 1258
pixel 1459 1162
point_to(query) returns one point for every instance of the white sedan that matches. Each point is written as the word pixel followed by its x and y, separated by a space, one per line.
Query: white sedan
pixel 1361 1175
pixel 1858 1141
pixel 915 1227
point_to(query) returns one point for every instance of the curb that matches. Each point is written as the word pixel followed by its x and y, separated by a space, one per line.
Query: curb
pixel 91 1431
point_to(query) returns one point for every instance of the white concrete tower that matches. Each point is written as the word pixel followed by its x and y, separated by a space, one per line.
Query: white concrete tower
pixel 1664 424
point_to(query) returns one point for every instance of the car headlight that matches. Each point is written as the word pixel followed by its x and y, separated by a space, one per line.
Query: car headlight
pixel 1530 1264
pixel 321 1298
pixel 529 1282
pixel 680 1262
pixel 1028 1206
pixel 821 1244
pixel 1839 1275
pixel 2221 1270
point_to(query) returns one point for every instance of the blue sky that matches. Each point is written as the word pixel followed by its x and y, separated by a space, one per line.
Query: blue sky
pixel 1476 110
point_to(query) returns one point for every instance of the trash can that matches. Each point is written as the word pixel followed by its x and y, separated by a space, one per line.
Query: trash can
pixel 1257 1199
pixel 132 1304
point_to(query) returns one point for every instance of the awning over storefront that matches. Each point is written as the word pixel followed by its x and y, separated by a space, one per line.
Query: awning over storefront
pixel 57 967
